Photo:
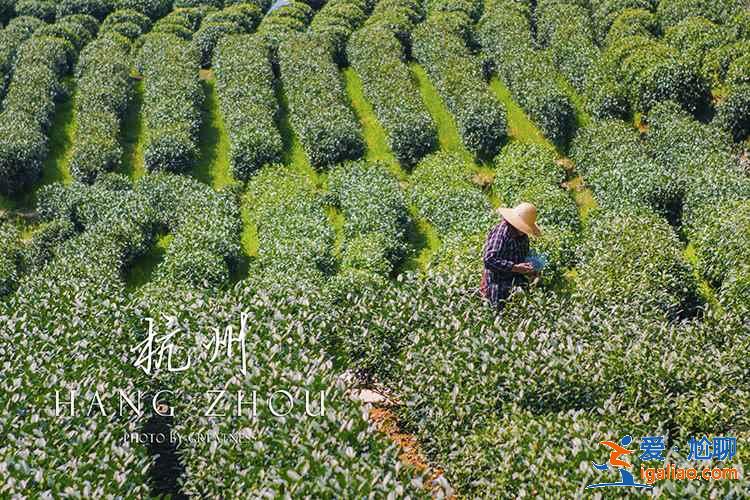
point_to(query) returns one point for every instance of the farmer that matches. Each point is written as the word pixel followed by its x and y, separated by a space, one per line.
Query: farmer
pixel 506 251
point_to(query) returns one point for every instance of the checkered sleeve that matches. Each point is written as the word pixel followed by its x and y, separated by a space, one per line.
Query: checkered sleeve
pixel 493 250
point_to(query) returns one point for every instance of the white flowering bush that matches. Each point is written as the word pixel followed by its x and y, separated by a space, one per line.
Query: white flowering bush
pixel 28 107
pixel 375 213
pixel 245 85
pixel 457 75
pixel 318 104
pixel 505 35
pixel 172 101
pixel 104 90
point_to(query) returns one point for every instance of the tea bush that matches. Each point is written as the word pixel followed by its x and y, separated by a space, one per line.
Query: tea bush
pixel 735 293
pixel 457 75
pixel 292 226
pixel 128 23
pixel 10 256
pixel 65 324
pixel 182 23
pixel 702 157
pixel 337 455
pixel 44 244
pixel 633 22
pixel 318 104
pixel 733 112
pixel 717 61
pixel 236 19
pixel 605 13
pixel 505 35
pixel 488 462
pixel 564 27
pixel 337 20
pixel 376 55
pixel 443 194
pixel 281 23
pixel 172 101
pixel 43 10
pixel 245 85
pixel 375 212
pixel 672 12
pixel 205 226
pixel 155 9
pixel 398 16
pixel 720 236
pixel 12 36
pixel 695 37
pixel 104 90
pixel 650 71
pixel 28 107
pixel 646 272
pixel 95 8
pixel 610 156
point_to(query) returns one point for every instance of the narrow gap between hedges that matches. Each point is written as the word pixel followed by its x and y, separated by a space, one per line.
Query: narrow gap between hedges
pixel 141 270
pixel 376 138
pixel 705 290
pixel 213 165
pixel 422 239
pixel 421 236
pixel 293 155
pixel 61 134
pixel 132 135
pixel 449 140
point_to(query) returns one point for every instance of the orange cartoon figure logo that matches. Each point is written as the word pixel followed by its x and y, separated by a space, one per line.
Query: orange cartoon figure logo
pixel 617 463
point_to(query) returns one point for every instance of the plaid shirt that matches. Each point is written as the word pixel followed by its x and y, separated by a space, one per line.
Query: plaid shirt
pixel 501 253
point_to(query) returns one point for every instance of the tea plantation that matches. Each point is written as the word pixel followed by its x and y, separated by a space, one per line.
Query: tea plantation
pixel 325 172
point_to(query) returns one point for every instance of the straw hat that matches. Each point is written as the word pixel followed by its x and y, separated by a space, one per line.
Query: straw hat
pixel 522 217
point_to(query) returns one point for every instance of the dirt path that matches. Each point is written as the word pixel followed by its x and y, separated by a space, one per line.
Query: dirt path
pixel 410 452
